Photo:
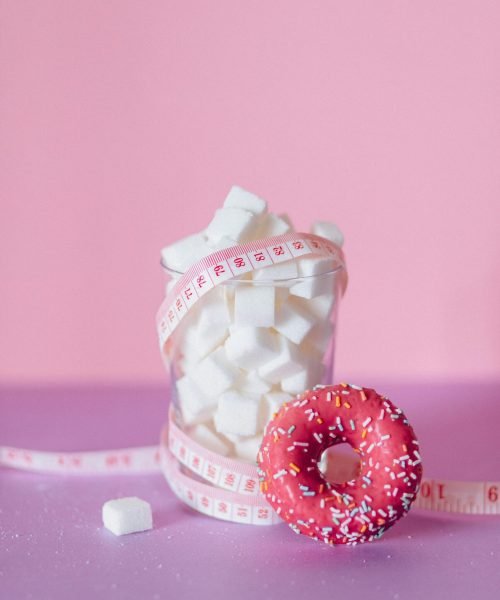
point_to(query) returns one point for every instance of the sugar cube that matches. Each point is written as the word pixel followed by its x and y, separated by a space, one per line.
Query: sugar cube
pixel 319 337
pixel 127 515
pixel 240 198
pixel 283 270
pixel 286 362
pixel 247 448
pixel 330 231
pixel 237 413
pixel 254 305
pixel 180 255
pixel 271 403
pixel 252 383
pixel 207 438
pixel 195 405
pixel 215 374
pixel 303 380
pixel 234 223
pixel 293 321
pixel 272 225
pixel 317 275
pixel 320 306
pixel 250 347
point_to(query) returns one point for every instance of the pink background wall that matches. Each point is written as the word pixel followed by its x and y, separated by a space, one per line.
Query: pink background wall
pixel 124 123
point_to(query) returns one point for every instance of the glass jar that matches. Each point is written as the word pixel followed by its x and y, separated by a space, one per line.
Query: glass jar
pixel 244 348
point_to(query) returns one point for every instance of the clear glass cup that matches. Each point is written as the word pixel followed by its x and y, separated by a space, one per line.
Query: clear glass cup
pixel 215 369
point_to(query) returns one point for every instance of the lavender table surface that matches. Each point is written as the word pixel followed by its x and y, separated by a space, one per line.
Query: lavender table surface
pixel 53 546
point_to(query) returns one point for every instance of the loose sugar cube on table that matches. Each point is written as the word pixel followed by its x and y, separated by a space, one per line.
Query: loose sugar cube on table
pixel 127 515
pixel 330 231
pixel 209 439
pixel 233 223
pixel 254 305
pixel 293 321
pixel 237 413
pixel 250 347
pixel 287 362
pixel 240 198
pixel 215 374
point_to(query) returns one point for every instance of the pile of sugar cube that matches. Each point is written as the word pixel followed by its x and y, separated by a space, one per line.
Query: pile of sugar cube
pixel 253 343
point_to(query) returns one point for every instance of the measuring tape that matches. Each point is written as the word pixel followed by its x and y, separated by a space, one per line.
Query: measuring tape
pixel 225 488
pixel 233 262
pixel 210 483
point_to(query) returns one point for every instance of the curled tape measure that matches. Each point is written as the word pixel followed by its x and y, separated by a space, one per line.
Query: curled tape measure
pixel 210 483
pixel 233 262
pixel 225 488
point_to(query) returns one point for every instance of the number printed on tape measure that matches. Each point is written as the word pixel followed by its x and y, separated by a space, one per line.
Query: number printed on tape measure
pixel 457 496
pixel 232 262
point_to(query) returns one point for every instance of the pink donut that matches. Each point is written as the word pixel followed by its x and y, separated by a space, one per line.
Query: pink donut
pixel 356 511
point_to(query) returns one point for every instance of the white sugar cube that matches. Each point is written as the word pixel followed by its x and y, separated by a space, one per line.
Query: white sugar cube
pixel 284 270
pixel 247 448
pixel 251 347
pixel 213 322
pixel 254 306
pixel 286 363
pixel 197 342
pixel 207 438
pixel 272 225
pixel 234 223
pixel 184 253
pixel 221 244
pixel 237 413
pixel 293 321
pixel 320 306
pixel 233 438
pixel 319 337
pixel 253 384
pixel 318 279
pixel 240 198
pixel 271 403
pixel 194 404
pixel 303 380
pixel 215 374
pixel 288 221
pixel 127 515
pixel 330 231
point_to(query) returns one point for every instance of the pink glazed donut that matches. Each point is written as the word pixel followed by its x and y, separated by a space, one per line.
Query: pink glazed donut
pixel 356 511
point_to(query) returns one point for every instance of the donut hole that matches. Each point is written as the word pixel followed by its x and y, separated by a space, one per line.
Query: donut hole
pixel 339 463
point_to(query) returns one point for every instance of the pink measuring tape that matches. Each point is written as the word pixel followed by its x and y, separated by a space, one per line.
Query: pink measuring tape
pixel 210 483
pixel 225 488
pixel 233 262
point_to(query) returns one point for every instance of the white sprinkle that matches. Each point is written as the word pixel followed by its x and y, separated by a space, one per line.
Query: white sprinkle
pixel 279 474
pixel 367 421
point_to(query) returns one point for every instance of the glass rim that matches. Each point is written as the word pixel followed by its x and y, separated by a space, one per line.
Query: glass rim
pixel 337 269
